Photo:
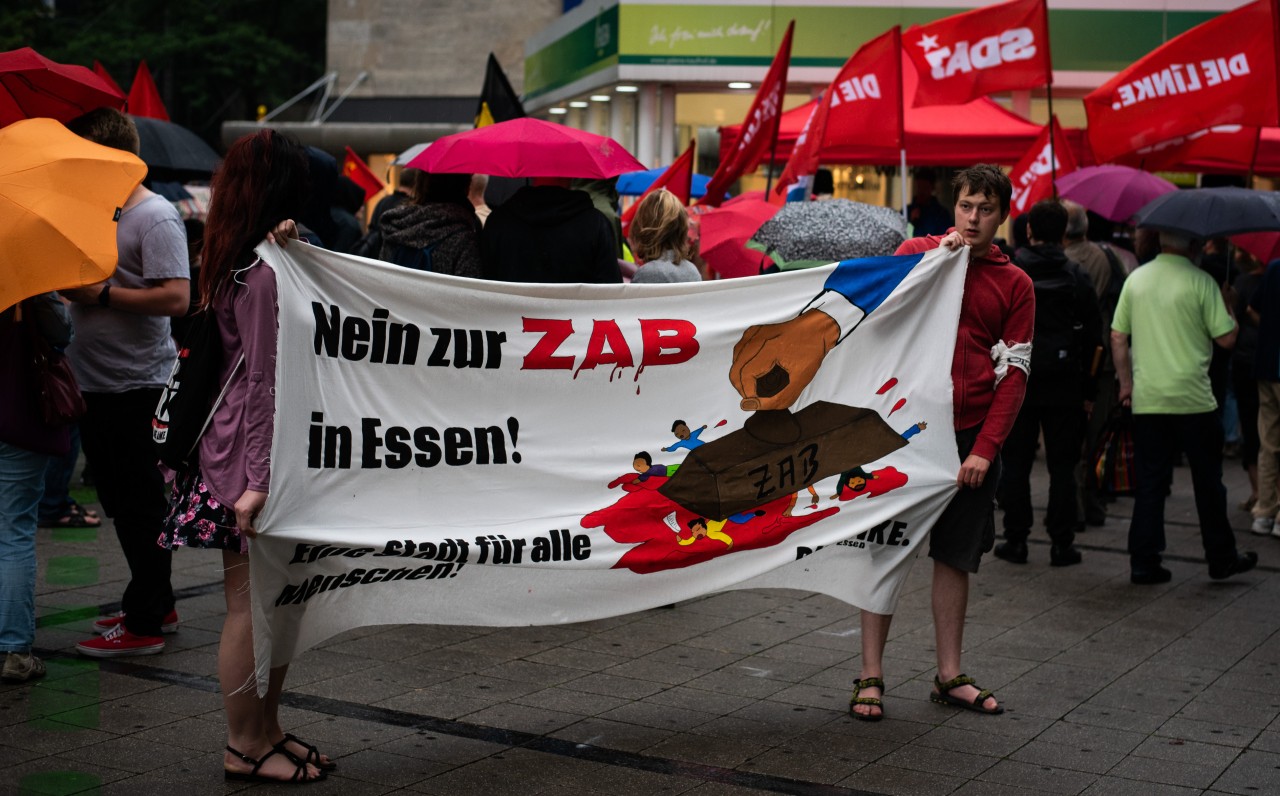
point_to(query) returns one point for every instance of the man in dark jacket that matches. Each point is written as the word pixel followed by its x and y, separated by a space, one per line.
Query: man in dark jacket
pixel 549 233
pixel 1060 391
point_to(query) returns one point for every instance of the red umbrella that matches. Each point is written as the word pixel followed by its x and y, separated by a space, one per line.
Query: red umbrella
pixel 527 148
pixel 1114 192
pixel 33 86
pixel 725 231
pixel 1263 245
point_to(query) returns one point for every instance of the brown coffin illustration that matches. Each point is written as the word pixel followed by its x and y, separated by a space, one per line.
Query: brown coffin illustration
pixel 776 454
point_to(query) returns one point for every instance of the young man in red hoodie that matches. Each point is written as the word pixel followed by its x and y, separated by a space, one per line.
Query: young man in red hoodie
pixel 989 376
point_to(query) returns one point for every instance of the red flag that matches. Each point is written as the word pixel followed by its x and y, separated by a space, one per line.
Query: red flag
pixel 678 179
pixel 758 128
pixel 979 52
pixel 144 99
pixel 1220 72
pixel 1223 147
pixel 358 172
pixel 1033 177
pixel 861 107
pixel 101 71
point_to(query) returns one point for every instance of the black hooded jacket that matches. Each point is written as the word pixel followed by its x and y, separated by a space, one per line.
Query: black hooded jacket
pixel 1067 328
pixel 549 234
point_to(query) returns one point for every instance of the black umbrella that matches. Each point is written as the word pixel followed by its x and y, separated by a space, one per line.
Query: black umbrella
pixel 171 147
pixel 1213 212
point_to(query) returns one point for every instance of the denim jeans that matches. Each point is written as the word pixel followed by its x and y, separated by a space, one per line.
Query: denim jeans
pixel 56 501
pixel 21 483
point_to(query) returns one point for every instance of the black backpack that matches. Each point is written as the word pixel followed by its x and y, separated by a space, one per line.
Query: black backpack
pixel 189 399
pixel 1058 326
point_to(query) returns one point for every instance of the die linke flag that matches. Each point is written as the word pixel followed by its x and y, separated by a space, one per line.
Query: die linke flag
pixel 1033 177
pixel 966 56
pixel 758 127
pixel 359 172
pixel 1220 72
pixel 678 179
pixel 862 106
pixel 144 99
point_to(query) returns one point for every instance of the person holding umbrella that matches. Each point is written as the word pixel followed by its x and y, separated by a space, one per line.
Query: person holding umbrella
pixel 27 443
pixel 262 184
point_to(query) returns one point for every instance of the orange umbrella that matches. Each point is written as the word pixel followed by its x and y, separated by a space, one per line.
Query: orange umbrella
pixel 60 196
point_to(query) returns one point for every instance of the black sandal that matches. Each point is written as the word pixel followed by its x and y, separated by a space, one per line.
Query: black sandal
pixel 942 695
pixel 867 682
pixel 312 756
pixel 299 773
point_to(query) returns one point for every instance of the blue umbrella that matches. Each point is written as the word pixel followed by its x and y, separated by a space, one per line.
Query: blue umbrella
pixel 634 183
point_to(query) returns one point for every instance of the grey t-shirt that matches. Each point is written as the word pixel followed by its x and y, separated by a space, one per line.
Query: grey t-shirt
pixel 114 350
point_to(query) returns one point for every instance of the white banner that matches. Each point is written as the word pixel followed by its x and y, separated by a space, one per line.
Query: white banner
pixel 454 451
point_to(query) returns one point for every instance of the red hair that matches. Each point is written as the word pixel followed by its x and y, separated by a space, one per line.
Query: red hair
pixel 261 182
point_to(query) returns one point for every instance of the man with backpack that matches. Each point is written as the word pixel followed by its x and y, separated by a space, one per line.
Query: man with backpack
pixel 1060 391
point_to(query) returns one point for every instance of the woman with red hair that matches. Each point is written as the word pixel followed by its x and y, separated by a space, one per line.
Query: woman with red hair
pixel 261 185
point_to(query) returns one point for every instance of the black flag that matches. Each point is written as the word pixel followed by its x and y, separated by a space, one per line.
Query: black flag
pixel 498 102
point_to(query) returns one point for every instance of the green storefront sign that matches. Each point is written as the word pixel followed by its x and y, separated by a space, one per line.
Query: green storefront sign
pixel 748 35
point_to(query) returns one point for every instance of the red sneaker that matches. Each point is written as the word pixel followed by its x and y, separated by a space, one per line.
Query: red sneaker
pixel 169 625
pixel 120 642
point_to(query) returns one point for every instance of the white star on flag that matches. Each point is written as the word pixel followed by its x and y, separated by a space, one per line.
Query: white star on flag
pixel 928 42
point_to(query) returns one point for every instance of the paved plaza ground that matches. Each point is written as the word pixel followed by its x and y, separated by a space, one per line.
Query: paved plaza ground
pixel 1109 689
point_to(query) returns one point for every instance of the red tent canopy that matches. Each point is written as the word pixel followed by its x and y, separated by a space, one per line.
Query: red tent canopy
pixel 939 135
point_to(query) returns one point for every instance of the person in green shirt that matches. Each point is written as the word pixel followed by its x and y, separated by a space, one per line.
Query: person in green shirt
pixel 1174 313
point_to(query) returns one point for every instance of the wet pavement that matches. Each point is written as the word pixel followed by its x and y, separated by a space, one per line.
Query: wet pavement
pixel 1109 688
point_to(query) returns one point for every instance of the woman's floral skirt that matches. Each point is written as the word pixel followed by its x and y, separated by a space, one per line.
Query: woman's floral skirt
pixel 197 519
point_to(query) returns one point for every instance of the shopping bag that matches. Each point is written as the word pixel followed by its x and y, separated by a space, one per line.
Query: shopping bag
pixel 1113 464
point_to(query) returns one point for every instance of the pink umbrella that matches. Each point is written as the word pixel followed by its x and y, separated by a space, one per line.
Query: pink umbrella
pixel 1114 192
pixel 725 231
pixel 527 148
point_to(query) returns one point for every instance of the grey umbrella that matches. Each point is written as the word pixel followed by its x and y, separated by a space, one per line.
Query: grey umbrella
pixel 1213 212
pixel 169 147
pixel 805 234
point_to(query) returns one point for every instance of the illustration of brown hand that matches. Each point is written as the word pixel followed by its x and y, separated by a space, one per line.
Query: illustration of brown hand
pixel 773 363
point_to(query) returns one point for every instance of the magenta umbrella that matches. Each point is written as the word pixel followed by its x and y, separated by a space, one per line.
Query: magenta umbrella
pixel 527 148
pixel 1114 192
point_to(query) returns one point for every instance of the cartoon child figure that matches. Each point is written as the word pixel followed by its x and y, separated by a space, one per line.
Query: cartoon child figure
pixel 689 440
pixel 916 429
pixel 854 480
pixel 643 464
pixel 713 529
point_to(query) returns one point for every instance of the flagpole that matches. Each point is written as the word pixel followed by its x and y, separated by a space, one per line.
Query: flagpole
pixel 773 146
pixel 902 125
pixel 1053 154
pixel 1253 159
pixel 1048 88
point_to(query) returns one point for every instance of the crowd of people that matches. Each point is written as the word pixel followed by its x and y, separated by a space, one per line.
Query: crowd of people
pixel 1054 337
